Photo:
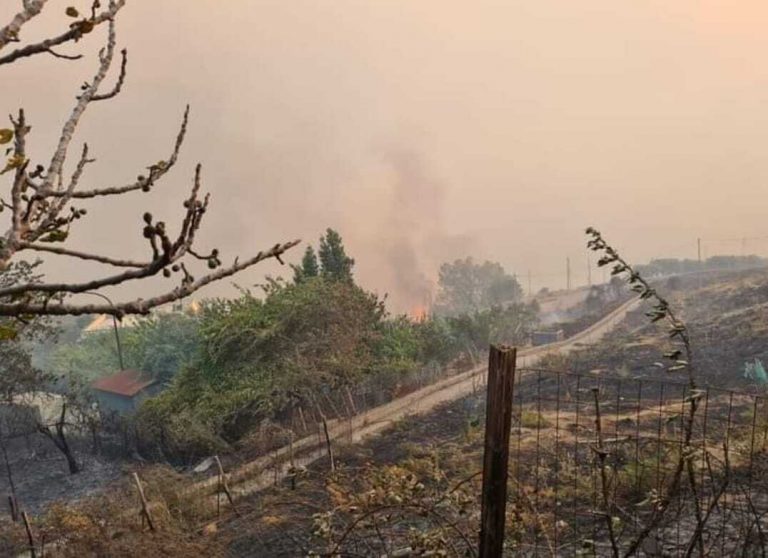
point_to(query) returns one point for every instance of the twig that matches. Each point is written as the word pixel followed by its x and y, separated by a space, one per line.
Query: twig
pixel 602 455
pixel 120 80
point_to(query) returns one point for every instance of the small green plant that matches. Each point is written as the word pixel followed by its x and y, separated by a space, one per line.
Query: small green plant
pixel 533 419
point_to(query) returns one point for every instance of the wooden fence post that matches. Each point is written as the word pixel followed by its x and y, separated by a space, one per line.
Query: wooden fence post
pixel 144 506
pixel 13 501
pixel 328 444
pixel 223 486
pixel 303 421
pixel 351 400
pixel 30 536
pixel 498 422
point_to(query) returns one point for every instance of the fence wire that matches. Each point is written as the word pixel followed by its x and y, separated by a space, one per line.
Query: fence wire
pixel 594 462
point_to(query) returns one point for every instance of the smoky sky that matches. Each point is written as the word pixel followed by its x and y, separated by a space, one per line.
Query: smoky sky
pixel 425 131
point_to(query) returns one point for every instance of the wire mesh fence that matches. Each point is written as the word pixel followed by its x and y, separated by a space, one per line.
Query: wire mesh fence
pixel 614 466
pixel 599 465
pixel 609 466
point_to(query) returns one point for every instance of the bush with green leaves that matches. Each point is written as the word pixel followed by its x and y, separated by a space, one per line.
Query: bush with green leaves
pixel 508 325
pixel 301 342
pixel 257 355
pixel 160 345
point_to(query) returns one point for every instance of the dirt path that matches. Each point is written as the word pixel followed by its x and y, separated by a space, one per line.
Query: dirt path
pixel 262 472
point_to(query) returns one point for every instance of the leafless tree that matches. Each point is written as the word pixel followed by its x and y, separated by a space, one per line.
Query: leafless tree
pixel 59 438
pixel 44 203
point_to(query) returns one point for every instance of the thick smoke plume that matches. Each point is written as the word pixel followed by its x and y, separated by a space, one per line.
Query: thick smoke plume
pixel 410 238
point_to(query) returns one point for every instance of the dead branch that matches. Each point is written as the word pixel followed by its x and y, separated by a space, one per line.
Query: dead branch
pixel 81 255
pixel 145 513
pixel 120 80
pixel 32 8
pixel 59 439
pixel 10 32
pixel 41 214
pixel 602 456
pixel 140 306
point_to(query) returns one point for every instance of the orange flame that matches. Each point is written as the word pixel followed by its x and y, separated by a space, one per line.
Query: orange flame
pixel 419 313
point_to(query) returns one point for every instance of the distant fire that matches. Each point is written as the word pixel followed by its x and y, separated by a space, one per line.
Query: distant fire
pixel 419 313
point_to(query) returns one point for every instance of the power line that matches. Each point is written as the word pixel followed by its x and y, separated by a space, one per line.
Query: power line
pixel 739 239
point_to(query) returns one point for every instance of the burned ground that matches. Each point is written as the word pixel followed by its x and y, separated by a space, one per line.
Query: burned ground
pixel 553 449
pixel 416 485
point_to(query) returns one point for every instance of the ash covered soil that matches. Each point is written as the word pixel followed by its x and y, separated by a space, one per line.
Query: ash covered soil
pixel 279 521
pixel 727 318
pixel 41 477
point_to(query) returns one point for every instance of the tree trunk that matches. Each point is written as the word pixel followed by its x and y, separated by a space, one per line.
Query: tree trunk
pixel 59 440
pixel 74 468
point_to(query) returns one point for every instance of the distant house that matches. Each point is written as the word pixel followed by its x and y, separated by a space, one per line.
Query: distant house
pixel 123 392
pixel 546 337
pixel 103 322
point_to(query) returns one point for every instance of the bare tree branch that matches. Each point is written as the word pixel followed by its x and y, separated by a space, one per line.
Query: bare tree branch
pixel 10 33
pixel 141 306
pixel 82 255
pixel 144 183
pixel 64 56
pixel 60 155
pixel 120 80
pixel 41 213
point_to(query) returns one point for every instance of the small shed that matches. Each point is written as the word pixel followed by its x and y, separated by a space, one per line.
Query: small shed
pixel 123 392
pixel 546 337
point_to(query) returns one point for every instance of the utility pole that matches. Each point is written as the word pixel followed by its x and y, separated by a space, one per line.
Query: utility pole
pixel 114 327
pixel 698 243
pixel 568 273
pixel 698 246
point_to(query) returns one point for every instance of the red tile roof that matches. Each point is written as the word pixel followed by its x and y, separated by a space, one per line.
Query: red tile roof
pixel 127 383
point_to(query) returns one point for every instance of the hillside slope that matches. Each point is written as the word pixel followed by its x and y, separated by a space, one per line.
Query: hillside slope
pixel 432 462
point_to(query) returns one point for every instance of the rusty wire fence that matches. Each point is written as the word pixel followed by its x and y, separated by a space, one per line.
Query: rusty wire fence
pixel 603 466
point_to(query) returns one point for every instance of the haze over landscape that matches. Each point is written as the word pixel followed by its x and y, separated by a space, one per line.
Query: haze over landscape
pixel 476 279
pixel 427 131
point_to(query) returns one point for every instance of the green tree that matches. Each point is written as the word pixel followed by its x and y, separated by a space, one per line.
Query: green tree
pixel 164 344
pixel 508 325
pixel 91 356
pixel 335 264
pixel 258 355
pixel 19 336
pixel 467 287
pixel 17 373
pixel 309 266
pixel 160 345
